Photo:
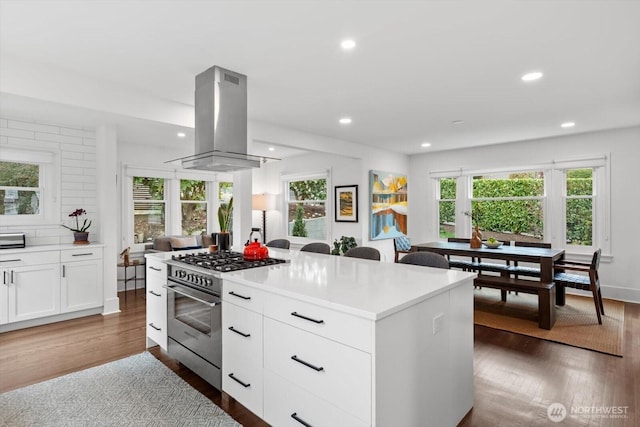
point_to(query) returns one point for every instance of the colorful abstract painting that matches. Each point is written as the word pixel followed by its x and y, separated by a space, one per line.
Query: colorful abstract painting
pixel 389 205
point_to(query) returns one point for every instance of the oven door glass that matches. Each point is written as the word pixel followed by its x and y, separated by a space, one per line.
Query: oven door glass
pixel 193 309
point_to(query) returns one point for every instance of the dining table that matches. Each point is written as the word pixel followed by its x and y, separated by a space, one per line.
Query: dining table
pixel 544 257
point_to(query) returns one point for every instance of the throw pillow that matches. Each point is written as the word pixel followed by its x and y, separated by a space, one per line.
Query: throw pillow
pixel 182 243
pixel 403 243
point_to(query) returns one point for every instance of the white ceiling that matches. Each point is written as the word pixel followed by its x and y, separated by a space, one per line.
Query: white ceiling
pixel 418 65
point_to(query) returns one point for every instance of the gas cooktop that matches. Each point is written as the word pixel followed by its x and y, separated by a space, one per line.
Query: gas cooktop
pixel 223 261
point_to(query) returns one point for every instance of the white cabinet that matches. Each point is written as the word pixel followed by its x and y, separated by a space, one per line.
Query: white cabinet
pixel 242 345
pixel 32 282
pixel 4 299
pixel 82 279
pixel 156 302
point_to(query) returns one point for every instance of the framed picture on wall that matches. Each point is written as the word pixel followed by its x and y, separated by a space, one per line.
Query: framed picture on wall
pixel 346 203
pixel 389 205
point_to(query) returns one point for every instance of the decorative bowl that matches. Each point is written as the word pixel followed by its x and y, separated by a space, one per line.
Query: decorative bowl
pixel 494 245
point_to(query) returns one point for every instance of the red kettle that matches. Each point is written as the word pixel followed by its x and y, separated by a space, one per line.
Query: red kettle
pixel 254 251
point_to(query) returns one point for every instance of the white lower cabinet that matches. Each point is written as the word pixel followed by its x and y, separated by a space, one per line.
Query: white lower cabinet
pixel 286 404
pixel 242 356
pixel 34 291
pixel 318 364
pixel 4 300
pixel 82 279
pixel 156 274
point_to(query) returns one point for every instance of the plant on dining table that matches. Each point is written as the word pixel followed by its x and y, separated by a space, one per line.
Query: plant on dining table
pixel 79 228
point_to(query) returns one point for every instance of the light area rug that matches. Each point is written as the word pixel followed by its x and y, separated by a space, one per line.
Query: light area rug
pixel 135 391
pixel 576 321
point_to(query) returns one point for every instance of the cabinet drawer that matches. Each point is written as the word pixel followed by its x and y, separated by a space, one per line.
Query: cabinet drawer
pixel 80 254
pixel 156 271
pixel 237 323
pixel 334 372
pixel 353 331
pixel 157 317
pixel 282 399
pixel 29 258
pixel 243 381
pixel 243 296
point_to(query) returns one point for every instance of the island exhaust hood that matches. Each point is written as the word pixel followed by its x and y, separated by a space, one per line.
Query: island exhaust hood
pixel 221 123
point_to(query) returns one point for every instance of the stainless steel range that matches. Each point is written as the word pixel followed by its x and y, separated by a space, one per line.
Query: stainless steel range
pixel 194 308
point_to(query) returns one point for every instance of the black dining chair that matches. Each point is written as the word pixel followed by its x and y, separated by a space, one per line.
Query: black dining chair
pixel 426 259
pixel 363 252
pixel 279 243
pixel 316 247
pixel 528 271
pixel 590 282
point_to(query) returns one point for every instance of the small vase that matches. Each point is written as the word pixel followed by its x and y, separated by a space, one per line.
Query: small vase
pixel 475 242
pixel 80 237
pixel 478 233
pixel 224 241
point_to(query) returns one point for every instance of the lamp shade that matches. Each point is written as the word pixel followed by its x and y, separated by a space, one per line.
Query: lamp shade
pixel 263 202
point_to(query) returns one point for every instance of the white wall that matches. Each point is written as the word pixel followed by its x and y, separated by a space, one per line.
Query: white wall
pixel 77 186
pixel 350 164
pixel 619 277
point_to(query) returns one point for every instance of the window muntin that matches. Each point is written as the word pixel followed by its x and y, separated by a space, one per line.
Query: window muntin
pixel 306 207
pixel 193 204
pixel 579 206
pixel 149 209
pixel 20 190
pixel 447 207
pixel 509 206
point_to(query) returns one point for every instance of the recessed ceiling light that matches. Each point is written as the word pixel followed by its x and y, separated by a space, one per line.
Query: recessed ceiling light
pixel 529 77
pixel 457 122
pixel 181 134
pixel 426 144
pixel 568 125
pixel 348 44
pixel 272 149
pixel 345 120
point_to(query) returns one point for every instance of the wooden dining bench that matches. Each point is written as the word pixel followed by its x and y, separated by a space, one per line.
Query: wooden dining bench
pixel 546 294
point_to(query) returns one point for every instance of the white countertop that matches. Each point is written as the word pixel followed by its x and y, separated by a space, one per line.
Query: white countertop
pixel 42 248
pixel 368 289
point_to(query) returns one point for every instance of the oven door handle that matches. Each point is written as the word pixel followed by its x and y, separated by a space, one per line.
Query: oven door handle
pixel 193 297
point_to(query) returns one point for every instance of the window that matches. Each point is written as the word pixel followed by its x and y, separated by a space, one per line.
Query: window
pixel 509 206
pixel 20 191
pixel 28 188
pixel 447 207
pixel 579 207
pixel 306 206
pixel 148 209
pixel 193 202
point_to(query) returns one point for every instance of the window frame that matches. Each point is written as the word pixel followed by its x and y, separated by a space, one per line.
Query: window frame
pixel 554 207
pixel 172 200
pixel 48 163
pixel 328 204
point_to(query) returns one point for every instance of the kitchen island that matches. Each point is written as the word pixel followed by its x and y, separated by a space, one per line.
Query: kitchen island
pixel 327 340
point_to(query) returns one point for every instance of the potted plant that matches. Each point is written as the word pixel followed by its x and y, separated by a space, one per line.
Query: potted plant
pixel 80 233
pixel 343 245
pixel 225 220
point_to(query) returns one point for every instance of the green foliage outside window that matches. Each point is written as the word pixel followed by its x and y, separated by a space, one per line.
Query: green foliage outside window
pixel 14 198
pixel 299 227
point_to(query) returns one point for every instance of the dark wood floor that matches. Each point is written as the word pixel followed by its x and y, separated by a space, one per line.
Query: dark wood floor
pixel 516 377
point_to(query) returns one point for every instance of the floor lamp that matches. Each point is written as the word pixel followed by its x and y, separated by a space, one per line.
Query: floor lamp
pixel 263 202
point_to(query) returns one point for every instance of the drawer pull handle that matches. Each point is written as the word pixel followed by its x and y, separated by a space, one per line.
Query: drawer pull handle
pixel 154 293
pixel 232 329
pixel 307 364
pixel 155 268
pixel 85 254
pixel 11 260
pixel 300 420
pixel 239 296
pixel 155 327
pixel 243 384
pixel 307 318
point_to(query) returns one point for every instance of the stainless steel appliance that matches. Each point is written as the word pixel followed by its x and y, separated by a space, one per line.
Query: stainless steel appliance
pixel 194 308
pixel 12 240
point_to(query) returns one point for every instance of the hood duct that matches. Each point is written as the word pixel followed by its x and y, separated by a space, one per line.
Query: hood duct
pixel 221 123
